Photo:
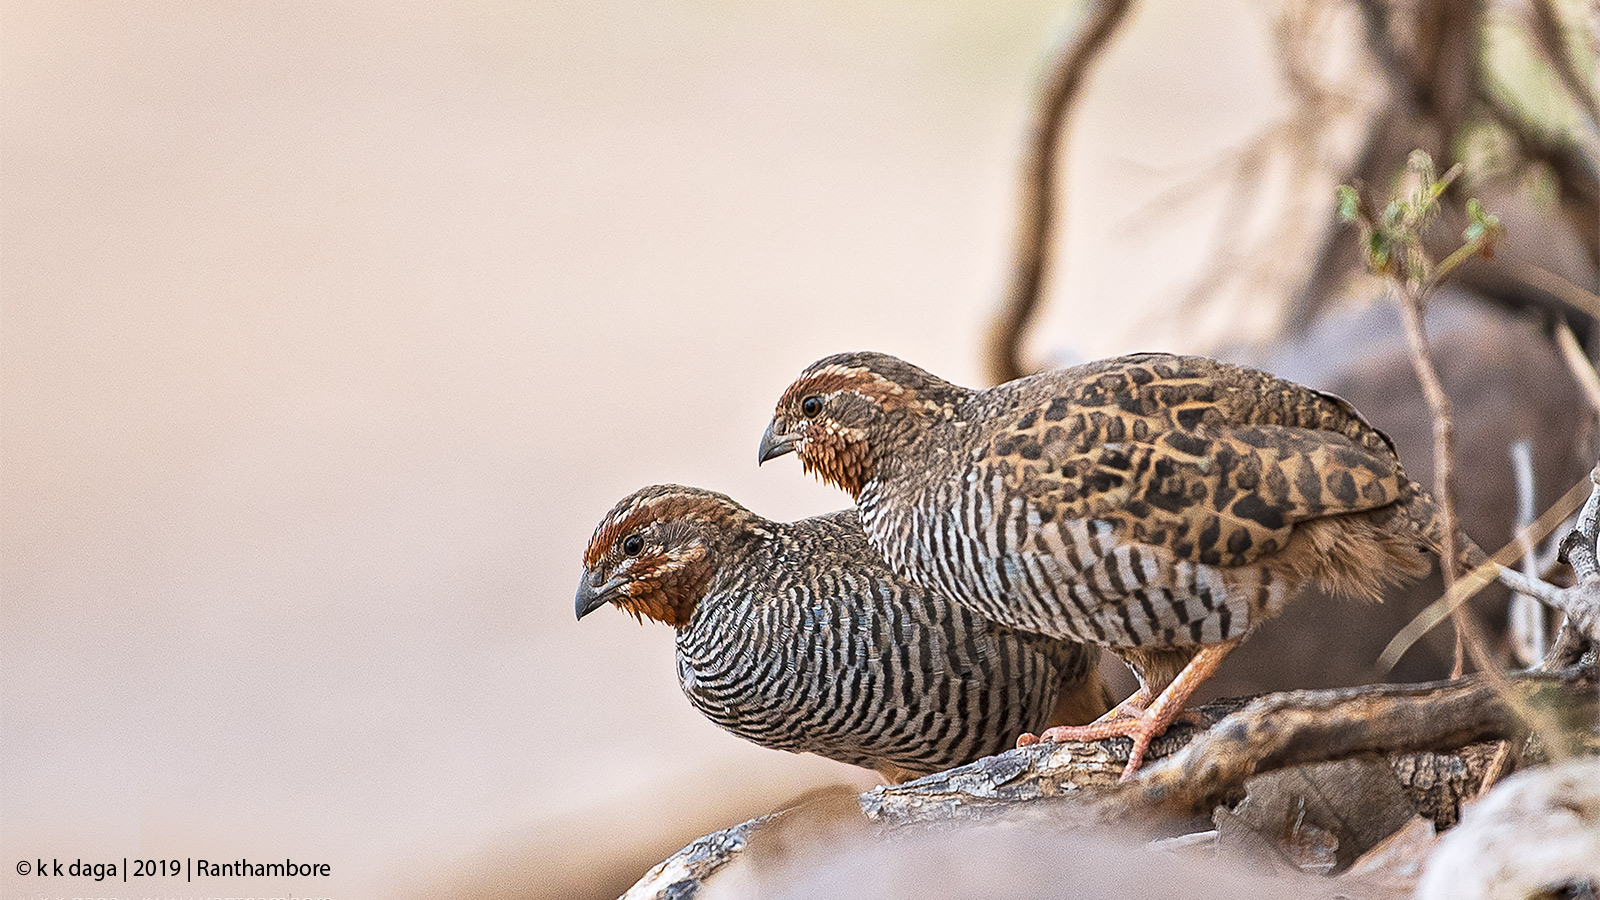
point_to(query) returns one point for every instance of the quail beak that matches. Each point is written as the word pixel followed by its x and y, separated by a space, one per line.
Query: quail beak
pixel 592 596
pixel 774 444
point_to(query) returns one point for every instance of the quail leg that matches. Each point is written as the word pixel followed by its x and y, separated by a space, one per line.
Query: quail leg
pixel 1143 724
pixel 1131 707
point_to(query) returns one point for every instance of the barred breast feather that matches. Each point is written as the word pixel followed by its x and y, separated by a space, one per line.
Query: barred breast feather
pixel 801 638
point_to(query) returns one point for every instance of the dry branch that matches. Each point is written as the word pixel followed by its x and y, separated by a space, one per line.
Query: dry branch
pixel 1431 735
pixel 1550 35
pixel 1412 309
pixel 1067 72
pixel 1393 246
pixel 1272 732
pixel 677 875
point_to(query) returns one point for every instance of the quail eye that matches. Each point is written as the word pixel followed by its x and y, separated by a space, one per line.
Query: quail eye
pixel 632 545
pixel 811 407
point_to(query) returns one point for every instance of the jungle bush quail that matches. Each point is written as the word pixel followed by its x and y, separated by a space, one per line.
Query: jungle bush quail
pixel 1157 505
pixel 796 636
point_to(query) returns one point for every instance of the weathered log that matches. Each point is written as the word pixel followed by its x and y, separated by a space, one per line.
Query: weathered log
pixel 1272 732
pixel 1433 736
pixel 681 873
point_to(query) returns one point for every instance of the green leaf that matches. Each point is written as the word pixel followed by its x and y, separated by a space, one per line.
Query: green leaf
pixel 1392 214
pixel 1349 204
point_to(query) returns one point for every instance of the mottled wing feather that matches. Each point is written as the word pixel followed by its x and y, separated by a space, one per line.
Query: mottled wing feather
pixel 1215 464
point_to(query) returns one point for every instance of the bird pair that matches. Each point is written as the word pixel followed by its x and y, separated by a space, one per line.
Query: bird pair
pixel 1154 505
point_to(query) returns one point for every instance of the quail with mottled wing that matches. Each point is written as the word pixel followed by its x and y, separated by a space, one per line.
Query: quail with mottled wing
pixel 1157 505
pixel 796 636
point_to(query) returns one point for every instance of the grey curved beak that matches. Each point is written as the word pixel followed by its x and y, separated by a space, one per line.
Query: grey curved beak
pixel 591 596
pixel 774 445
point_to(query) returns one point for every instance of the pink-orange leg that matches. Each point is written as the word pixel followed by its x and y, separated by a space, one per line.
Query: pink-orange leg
pixel 1145 724
pixel 1131 706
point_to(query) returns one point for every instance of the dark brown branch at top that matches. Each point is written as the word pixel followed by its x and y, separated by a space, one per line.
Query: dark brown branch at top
pixel 1550 34
pixel 1430 89
pixel 1390 137
pixel 1430 61
pixel 1576 172
pixel 1066 74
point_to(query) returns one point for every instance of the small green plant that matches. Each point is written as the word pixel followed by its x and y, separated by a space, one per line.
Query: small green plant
pixel 1391 241
pixel 1392 247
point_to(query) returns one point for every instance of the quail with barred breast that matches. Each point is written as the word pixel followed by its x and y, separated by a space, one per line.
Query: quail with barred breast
pixel 1160 506
pixel 797 636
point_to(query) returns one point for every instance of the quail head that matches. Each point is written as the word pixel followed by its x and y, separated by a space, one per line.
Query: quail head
pixel 797 636
pixel 1157 505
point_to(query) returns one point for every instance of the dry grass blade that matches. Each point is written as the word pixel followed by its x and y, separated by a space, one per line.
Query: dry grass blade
pixel 1574 295
pixel 1580 364
pixel 1479 578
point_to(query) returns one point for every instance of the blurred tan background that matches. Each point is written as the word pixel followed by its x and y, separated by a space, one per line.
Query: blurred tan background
pixel 330 330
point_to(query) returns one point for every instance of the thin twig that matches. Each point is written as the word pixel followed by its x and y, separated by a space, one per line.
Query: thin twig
pixel 1394 247
pixel 1066 74
pixel 1576 602
pixel 1412 300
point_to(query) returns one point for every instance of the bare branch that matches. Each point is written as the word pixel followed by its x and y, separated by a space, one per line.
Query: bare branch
pixel 1067 72
pixel 1302 727
pixel 1579 298
pixel 1444 442
pixel 1550 35
pixel 1272 732
pixel 1580 603
pixel 1383 152
pixel 1576 171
